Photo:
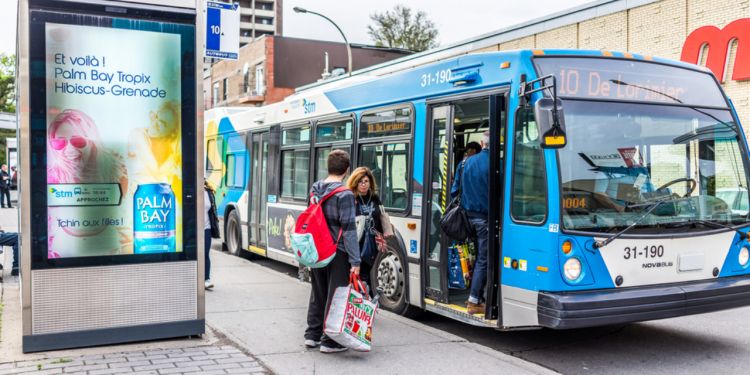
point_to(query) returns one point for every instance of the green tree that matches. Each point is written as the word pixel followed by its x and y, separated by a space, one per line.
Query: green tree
pixel 7 83
pixel 403 28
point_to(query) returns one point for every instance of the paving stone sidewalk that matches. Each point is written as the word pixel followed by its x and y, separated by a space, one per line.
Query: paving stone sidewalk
pixel 207 360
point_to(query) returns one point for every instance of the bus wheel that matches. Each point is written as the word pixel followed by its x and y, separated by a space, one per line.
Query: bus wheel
pixel 389 274
pixel 234 234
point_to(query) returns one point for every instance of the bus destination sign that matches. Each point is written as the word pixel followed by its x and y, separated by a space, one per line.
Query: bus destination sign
pixel 630 80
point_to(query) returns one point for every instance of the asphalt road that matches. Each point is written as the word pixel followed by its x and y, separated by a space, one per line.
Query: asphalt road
pixel 715 343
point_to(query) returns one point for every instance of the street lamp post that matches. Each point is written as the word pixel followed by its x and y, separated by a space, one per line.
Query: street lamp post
pixel 348 48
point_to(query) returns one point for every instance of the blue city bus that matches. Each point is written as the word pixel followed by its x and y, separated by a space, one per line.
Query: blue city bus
pixel 617 183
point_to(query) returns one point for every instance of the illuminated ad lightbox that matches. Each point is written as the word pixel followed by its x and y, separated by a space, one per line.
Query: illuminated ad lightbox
pixel 114 139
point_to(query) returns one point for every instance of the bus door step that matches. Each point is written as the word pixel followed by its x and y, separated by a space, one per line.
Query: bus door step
pixel 459 313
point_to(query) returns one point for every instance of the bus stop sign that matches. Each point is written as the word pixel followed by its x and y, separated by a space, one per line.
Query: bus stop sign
pixel 222 30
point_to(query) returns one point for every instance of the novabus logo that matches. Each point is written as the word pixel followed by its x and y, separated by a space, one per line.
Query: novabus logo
pixel 719 41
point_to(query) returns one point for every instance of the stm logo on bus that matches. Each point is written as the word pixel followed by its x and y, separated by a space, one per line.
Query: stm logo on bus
pixel 718 42
pixel 309 107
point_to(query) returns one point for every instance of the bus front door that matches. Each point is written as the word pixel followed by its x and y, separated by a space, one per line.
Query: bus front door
pixel 436 200
pixel 456 130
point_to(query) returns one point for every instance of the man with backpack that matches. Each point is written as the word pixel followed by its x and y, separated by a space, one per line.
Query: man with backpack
pixel 339 211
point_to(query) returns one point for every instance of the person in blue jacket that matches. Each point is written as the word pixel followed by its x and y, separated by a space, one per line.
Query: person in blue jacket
pixel 473 175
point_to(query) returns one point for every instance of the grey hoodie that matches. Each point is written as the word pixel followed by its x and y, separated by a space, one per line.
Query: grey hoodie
pixel 340 212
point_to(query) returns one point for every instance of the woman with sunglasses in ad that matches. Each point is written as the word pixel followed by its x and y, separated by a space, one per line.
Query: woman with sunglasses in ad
pixel 76 155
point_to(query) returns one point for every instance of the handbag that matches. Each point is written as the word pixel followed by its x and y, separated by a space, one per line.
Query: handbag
pixel 212 216
pixel 369 247
pixel 455 222
pixel 385 222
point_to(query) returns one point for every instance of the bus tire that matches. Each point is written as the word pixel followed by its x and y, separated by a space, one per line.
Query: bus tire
pixel 389 273
pixel 233 234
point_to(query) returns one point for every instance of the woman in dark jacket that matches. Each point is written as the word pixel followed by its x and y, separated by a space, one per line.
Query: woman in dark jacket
pixel 211 228
pixel 372 221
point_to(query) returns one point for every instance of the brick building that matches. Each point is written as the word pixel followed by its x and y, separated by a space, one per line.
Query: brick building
pixel 271 67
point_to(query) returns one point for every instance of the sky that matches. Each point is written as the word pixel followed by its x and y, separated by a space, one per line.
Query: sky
pixel 455 21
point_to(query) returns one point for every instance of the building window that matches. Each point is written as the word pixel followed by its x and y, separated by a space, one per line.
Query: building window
pixel 248 19
pixel 263 6
pixel 246 78
pixel 264 20
pixel 260 79
pixel 215 97
pixel 224 89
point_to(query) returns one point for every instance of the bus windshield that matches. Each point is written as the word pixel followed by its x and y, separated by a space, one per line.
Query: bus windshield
pixel 621 158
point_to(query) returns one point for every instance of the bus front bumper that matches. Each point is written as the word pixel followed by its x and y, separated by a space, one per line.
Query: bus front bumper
pixel 566 310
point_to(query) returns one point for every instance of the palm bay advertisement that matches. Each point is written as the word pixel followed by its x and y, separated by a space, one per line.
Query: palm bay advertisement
pixel 114 157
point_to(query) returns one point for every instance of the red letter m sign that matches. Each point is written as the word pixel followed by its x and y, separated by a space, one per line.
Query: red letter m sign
pixel 718 42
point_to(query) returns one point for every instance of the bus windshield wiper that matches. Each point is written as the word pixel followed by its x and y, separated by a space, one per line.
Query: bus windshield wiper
pixel 600 244
pixel 708 223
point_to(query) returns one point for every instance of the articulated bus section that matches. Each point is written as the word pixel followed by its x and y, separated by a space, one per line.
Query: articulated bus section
pixel 617 183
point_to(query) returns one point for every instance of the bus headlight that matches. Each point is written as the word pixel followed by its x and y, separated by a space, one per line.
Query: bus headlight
pixel 572 269
pixel 744 256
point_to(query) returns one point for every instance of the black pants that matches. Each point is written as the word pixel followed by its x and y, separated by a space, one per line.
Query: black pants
pixel 207 251
pixel 5 194
pixel 324 283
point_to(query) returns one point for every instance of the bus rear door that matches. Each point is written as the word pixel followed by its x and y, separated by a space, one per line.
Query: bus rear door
pixel 258 192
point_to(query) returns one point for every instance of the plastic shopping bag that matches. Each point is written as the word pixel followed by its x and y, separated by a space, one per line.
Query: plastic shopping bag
pixel 350 316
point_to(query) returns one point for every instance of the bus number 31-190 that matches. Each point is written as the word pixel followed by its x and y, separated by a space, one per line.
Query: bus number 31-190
pixel 643 252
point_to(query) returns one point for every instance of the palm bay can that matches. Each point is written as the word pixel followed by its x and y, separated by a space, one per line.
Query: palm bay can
pixel 154 219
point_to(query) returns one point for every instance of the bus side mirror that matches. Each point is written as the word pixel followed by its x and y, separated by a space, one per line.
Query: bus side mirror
pixel 551 121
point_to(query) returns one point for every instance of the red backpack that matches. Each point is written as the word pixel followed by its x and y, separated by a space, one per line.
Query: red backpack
pixel 312 243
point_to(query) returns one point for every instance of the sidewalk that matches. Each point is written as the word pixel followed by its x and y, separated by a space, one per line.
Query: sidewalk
pixel 211 354
pixel 264 311
pixel 255 320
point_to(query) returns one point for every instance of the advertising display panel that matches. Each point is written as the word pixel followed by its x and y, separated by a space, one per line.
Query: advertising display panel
pixel 115 138
pixel 109 204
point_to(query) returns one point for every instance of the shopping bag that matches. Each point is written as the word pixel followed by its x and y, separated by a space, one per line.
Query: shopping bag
pixel 350 316
pixel 456 278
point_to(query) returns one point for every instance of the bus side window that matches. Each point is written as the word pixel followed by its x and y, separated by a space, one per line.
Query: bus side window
pixel 295 162
pixel 529 201
pixel 294 173
pixel 235 161
pixel 389 164
pixel 214 161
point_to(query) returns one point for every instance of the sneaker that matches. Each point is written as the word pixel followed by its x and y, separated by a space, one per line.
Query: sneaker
pixel 208 284
pixel 332 348
pixel 312 343
pixel 474 308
